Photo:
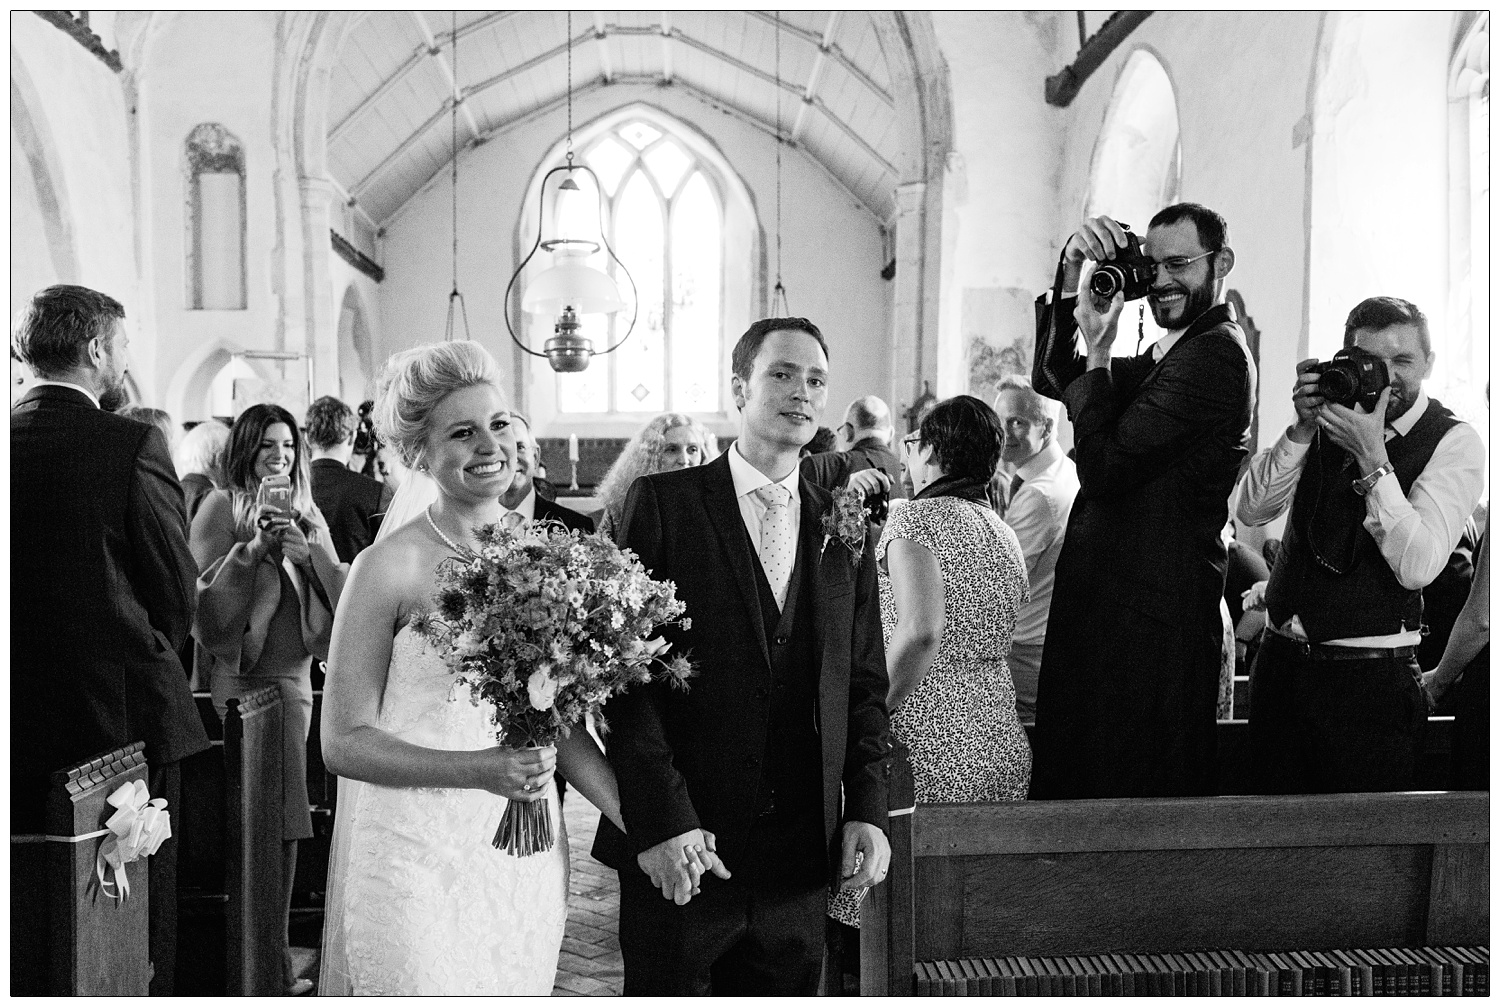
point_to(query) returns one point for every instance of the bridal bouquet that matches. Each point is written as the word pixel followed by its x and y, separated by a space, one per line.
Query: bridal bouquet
pixel 545 624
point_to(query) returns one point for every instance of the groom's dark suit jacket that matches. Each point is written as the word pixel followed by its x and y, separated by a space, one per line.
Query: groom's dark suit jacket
pixel 103 591
pixel 703 757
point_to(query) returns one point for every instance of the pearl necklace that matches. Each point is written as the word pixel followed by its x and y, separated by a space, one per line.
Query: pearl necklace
pixel 446 540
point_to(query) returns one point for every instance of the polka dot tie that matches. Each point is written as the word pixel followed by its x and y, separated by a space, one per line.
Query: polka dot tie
pixel 776 545
pixel 513 521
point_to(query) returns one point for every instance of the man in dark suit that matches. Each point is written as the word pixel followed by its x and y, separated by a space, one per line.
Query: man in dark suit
pixel 778 748
pixel 349 501
pixel 104 585
pixel 1128 685
pixel 522 497
pixel 866 435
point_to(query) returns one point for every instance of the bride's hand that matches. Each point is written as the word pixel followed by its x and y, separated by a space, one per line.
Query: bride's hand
pixel 517 774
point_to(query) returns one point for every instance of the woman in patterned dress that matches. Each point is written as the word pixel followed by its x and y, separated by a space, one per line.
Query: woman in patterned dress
pixel 952 578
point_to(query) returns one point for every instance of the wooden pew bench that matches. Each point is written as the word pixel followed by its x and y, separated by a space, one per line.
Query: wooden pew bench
pixel 229 864
pixel 68 938
pixel 1254 873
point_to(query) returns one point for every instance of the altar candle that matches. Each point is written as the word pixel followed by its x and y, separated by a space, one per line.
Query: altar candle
pixel 572 447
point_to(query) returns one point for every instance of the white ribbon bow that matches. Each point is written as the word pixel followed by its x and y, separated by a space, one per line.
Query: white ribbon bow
pixel 136 830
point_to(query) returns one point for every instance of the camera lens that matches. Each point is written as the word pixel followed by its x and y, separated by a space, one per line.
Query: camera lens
pixel 1338 383
pixel 1106 281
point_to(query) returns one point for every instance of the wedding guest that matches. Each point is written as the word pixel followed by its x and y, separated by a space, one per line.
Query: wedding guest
pixel 348 500
pixel 158 418
pixel 268 584
pixel 523 497
pixel 200 463
pixel 1465 669
pixel 1039 496
pixel 952 582
pixel 668 442
pixel 102 581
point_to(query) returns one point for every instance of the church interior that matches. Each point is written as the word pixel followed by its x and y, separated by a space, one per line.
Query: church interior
pixel 282 200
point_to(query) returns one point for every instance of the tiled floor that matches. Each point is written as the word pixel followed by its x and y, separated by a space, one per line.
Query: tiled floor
pixel 590 963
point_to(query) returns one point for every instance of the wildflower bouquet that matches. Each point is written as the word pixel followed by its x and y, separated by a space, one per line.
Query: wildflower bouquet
pixel 545 625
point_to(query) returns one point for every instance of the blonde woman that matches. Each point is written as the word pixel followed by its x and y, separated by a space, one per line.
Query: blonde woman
pixel 670 441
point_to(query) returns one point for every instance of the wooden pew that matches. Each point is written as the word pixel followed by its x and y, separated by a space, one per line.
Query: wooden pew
pixel 1175 874
pixel 230 923
pixel 68 938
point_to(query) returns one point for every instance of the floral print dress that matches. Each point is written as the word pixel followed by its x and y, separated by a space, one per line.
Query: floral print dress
pixel 960 722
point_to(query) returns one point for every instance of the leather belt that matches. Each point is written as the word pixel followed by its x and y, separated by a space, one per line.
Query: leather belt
pixel 1329 652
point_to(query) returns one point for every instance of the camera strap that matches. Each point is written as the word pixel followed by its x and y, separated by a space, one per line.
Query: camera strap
pixel 1332 528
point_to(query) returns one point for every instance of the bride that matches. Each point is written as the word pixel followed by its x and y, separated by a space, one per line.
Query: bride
pixel 419 902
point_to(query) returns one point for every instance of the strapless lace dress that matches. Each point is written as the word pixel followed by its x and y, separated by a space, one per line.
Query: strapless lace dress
pixel 430 907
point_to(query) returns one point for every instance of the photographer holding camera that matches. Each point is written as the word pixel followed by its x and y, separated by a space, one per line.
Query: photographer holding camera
pixel 1128 687
pixel 1380 480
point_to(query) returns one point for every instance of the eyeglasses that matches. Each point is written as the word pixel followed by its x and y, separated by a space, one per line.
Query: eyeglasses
pixel 910 441
pixel 1178 263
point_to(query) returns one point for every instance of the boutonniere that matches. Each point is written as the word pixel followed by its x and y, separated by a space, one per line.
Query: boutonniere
pixel 846 521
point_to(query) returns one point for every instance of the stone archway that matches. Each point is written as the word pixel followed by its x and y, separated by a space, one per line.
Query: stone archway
pixel 356 373
pixel 42 243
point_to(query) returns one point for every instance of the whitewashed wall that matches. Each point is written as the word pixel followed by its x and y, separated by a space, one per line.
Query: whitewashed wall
pixel 831 246
pixel 70 135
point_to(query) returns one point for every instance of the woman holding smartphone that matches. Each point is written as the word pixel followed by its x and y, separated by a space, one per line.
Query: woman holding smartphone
pixel 268 584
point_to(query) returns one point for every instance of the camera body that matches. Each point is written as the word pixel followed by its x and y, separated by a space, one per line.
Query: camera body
pixel 1353 377
pixel 1131 270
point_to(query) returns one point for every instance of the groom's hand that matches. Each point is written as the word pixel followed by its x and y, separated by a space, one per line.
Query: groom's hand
pixel 674 866
pixel 862 837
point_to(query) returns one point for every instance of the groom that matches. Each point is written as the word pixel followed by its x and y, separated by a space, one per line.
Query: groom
pixel 779 746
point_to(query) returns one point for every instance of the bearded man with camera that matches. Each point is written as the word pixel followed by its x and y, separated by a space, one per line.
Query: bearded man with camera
pixel 1380 479
pixel 1128 686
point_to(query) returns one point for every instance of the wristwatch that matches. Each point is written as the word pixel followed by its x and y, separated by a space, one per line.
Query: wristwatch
pixel 1365 484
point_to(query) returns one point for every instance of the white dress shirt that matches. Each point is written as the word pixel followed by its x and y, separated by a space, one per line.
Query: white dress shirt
pixel 68 384
pixel 526 508
pixel 1416 534
pixel 1038 514
pixel 747 479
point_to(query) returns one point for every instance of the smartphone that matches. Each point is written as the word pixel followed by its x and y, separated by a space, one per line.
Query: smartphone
pixel 275 491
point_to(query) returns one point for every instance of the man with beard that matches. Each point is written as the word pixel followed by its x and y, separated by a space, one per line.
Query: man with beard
pixel 1378 501
pixel 1128 686
pixel 104 583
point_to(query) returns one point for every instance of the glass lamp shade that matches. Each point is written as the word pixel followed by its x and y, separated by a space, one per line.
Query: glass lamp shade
pixel 571 283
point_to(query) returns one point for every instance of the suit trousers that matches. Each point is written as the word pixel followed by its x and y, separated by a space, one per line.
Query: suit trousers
pixel 164 780
pixel 730 940
pixel 1025 663
pixel 1333 727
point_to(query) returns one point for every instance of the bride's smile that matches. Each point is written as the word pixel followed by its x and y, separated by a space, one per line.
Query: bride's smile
pixel 472 451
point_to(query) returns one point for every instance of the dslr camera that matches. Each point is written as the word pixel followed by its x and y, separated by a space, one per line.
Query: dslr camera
pixel 1353 377
pixel 1131 270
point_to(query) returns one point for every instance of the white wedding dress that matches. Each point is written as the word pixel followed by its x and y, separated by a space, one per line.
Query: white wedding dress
pixel 430 907
pixel 419 901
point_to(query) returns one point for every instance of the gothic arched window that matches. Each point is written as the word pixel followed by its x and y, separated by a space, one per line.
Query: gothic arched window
pixel 215 164
pixel 1137 166
pixel 663 213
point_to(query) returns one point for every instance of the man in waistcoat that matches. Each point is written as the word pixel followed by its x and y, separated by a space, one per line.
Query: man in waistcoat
pixel 778 747
pixel 1378 500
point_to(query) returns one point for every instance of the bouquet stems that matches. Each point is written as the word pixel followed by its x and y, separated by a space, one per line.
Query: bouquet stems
pixel 525 828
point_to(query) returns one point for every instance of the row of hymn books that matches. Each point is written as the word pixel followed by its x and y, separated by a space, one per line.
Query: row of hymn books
pixel 1382 972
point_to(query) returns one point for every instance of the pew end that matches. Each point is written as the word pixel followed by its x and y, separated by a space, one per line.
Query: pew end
pixel 1256 873
pixel 69 938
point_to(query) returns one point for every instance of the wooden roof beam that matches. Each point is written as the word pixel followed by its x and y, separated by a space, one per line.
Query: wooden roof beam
pixel 436 52
pixel 1063 86
pixel 832 50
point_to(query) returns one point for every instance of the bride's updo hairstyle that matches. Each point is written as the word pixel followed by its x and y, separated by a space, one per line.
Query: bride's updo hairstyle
pixel 414 381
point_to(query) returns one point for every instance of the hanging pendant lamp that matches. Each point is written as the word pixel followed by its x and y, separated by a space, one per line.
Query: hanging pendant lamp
pixel 779 306
pixel 571 287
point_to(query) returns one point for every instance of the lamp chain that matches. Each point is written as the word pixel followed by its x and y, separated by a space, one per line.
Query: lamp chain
pixel 570 87
pixel 779 294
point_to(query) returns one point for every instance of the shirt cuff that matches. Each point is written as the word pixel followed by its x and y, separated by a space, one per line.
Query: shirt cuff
pixel 1382 502
pixel 1288 452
